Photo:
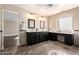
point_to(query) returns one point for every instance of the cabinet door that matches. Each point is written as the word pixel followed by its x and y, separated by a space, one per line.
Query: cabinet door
pixel 44 36
pixel 52 36
pixel 34 38
pixel 31 38
pixel 69 39
pixel 37 38
pixel 41 37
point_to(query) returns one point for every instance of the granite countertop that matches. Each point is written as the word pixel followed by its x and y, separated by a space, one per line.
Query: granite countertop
pixel 56 32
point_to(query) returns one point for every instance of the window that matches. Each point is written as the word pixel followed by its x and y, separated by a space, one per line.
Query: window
pixel 65 23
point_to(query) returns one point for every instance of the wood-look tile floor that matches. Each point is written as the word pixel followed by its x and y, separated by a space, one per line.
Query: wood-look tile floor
pixel 43 48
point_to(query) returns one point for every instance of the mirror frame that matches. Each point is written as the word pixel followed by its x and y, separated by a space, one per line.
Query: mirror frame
pixel 29 23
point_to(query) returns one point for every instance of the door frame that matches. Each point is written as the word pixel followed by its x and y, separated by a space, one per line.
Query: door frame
pixel 2 17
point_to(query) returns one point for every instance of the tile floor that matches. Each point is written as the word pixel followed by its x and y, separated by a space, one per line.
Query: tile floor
pixel 44 48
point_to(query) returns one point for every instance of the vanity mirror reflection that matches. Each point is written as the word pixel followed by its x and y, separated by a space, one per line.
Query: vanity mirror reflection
pixel 42 24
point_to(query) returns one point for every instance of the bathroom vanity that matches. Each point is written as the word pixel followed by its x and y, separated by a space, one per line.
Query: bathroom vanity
pixel 37 37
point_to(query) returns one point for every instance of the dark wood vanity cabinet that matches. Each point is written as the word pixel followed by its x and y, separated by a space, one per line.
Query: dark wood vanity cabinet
pixel 69 39
pixel 31 38
pixel 52 36
pixel 43 36
pixel 36 37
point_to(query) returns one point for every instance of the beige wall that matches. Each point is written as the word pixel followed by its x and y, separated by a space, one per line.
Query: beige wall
pixel 53 20
pixel 23 17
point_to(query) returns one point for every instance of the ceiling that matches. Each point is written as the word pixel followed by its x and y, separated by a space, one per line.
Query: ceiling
pixel 47 9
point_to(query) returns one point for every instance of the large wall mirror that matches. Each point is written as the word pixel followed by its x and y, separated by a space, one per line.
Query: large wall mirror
pixel 42 24
pixel 31 23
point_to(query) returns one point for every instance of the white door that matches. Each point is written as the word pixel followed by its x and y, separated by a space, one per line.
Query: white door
pixel 0 34
pixel 10 28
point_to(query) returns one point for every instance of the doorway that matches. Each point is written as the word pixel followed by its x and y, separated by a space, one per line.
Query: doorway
pixel 10 29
